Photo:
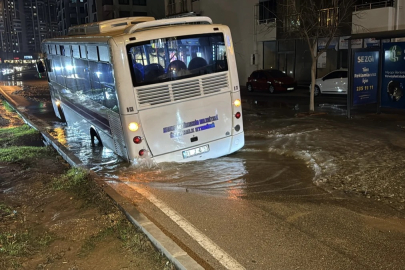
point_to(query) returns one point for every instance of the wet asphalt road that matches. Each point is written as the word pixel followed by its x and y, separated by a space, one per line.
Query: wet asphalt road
pixel 262 205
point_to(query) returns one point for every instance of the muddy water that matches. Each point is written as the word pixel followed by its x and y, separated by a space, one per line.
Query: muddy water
pixel 254 171
pixel 259 169
pixel 268 164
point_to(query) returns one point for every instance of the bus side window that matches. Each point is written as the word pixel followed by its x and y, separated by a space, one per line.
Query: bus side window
pixel 69 73
pixel 75 51
pixel 82 76
pixel 57 65
pixel 104 53
pixel 49 68
pixel 102 84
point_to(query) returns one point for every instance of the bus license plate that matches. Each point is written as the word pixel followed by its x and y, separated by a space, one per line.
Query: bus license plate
pixel 196 151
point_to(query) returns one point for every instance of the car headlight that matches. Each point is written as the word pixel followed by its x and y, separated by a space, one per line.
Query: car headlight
pixel 275 81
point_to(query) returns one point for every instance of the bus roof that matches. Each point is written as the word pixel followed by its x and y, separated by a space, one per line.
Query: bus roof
pixel 125 26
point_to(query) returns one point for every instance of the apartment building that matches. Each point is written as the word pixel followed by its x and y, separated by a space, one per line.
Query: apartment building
pixel 263 38
pixel 69 13
pixel 23 26
pixel 74 12
pixel 100 10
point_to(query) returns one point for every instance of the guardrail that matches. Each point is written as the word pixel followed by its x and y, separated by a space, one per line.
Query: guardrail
pixel 382 4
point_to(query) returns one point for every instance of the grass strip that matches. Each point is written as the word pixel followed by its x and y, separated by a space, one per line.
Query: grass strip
pixel 10 136
pixel 7 106
pixel 25 154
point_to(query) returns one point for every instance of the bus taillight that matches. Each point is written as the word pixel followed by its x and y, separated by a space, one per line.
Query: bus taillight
pixel 133 126
pixel 237 102
pixel 142 152
pixel 237 115
pixel 137 140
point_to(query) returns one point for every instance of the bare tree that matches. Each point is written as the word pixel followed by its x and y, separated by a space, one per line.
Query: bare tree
pixel 314 19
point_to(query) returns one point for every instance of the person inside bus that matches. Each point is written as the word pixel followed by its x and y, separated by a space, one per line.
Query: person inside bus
pixel 153 72
pixel 177 68
pixel 198 65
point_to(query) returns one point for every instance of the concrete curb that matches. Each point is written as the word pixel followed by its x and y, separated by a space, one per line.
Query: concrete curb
pixel 163 243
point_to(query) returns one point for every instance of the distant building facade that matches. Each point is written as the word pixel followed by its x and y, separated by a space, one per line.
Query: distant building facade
pixel 75 12
pixel 110 9
pixel 23 26
pixel 69 13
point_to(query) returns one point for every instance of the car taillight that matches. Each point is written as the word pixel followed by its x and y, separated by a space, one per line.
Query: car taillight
pixel 142 152
pixel 237 115
pixel 137 139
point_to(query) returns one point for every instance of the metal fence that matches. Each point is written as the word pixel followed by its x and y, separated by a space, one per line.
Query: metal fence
pixel 367 6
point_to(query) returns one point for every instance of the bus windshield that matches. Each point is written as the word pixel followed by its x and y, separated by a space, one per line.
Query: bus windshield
pixel 174 58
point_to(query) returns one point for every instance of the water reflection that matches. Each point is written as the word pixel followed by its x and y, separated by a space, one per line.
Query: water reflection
pixel 59 134
pixel 251 173
pixel 336 109
pixel 13 83
pixel 95 158
pixel 223 176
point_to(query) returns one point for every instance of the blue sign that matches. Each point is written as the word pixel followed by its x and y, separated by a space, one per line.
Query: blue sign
pixel 365 78
pixel 392 90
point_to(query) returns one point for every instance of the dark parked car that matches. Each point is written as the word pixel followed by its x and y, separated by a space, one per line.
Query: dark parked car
pixel 270 80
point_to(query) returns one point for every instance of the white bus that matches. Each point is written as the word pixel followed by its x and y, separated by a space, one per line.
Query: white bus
pixel 145 88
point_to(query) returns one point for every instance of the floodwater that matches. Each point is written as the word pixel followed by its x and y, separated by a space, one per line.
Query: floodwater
pixel 279 157
pixel 255 170
pixel 264 166
pixel 284 155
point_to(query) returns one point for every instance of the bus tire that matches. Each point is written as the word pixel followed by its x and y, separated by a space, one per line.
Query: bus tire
pixel 61 114
pixel 94 134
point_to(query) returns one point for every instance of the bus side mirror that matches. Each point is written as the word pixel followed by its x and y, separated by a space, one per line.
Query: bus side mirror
pixel 40 67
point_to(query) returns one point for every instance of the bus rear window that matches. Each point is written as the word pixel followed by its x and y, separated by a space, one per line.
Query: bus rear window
pixel 174 58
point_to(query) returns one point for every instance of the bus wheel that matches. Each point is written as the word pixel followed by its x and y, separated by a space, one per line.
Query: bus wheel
pixel 94 134
pixel 62 115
